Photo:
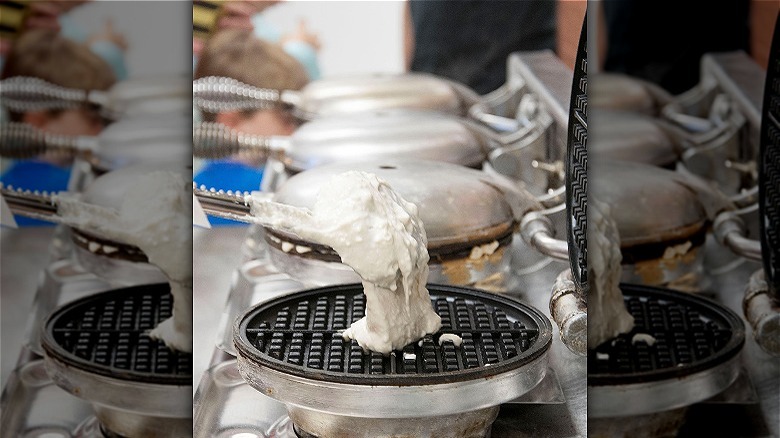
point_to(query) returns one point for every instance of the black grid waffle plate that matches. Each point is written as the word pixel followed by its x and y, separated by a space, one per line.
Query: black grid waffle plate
pixel 105 334
pixel 300 334
pixel 577 167
pixel 769 168
pixel 692 334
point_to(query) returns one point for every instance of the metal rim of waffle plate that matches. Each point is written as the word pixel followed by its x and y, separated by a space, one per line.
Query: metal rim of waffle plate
pixel 679 369
pixel 577 167
pixel 505 355
pixel 769 168
pixel 114 338
pixel 379 394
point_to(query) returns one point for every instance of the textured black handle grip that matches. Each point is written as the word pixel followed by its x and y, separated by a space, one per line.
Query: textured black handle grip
pixel 769 168
pixel 577 167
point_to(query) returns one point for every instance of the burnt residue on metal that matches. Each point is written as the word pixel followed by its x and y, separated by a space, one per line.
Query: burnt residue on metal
pixel 107 334
pixel 691 334
pixel 300 334
pixel 123 251
pixel 656 250
pixel 450 251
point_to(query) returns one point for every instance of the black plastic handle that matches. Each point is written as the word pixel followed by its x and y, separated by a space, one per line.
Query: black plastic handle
pixel 577 167
pixel 769 169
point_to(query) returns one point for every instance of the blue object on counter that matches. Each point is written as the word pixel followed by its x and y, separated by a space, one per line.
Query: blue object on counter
pixel 228 175
pixel 36 175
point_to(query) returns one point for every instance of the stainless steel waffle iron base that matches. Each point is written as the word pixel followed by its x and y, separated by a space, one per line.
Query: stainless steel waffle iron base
pixel 96 348
pixel 291 349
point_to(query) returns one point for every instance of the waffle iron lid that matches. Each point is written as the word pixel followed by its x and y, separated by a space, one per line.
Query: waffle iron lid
pixel 455 203
pixel 359 93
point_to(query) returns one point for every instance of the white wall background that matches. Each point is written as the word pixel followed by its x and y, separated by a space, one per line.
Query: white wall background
pixel 159 33
pixel 356 36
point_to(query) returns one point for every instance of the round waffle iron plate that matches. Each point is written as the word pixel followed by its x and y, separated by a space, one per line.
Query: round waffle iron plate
pixel 692 335
pixel 300 334
pixel 105 334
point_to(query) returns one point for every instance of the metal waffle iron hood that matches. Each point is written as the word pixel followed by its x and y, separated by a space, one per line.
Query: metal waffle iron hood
pixel 662 218
pixel 469 219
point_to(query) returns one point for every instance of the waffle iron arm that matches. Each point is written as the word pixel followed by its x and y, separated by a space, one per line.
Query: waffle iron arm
pixel 216 94
pixel 730 231
pixel 537 231
pixel 23 141
pixel 214 141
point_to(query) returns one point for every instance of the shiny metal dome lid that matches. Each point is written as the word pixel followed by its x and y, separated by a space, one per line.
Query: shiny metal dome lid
pixel 109 190
pixel 145 138
pixel 622 135
pixel 359 93
pixel 622 92
pixel 157 94
pixel 651 204
pixel 383 134
pixel 458 206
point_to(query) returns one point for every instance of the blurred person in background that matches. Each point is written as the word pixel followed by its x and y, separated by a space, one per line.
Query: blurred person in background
pixel 663 42
pixel 469 41
pixel 301 44
pixel 55 15
pixel 47 55
pixel 238 54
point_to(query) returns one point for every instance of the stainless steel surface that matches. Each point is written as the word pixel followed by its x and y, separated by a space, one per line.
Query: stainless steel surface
pixel 763 313
pixel 624 93
pixel 214 273
pixel 144 138
pixel 61 282
pixel 630 136
pixel 387 134
pixel 570 312
pixel 649 204
pixel 33 406
pixel 385 401
pixel 126 407
pixel 350 94
pixel 537 231
pixel 730 231
pixel 608 401
pixel 474 424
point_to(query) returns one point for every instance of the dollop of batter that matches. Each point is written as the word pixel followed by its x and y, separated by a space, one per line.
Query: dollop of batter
pixel 155 216
pixel 380 235
pixel 607 314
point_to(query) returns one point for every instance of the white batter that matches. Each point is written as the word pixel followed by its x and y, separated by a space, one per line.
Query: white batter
pixel 155 216
pixel 379 235
pixel 607 314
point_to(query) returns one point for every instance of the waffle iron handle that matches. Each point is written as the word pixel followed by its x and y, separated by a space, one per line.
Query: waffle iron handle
pixel 216 94
pixel 568 309
pixel 568 303
pixel 24 93
pixel 212 140
pixel 23 141
pixel 762 313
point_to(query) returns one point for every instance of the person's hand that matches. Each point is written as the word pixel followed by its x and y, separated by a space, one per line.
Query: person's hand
pixel 108 33
pixel 301 33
